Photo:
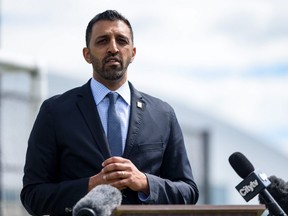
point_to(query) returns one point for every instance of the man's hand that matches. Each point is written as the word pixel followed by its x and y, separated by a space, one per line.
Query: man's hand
pixel 121 173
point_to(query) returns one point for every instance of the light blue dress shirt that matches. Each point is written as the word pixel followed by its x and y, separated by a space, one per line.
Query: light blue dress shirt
pixel 99 92
pixel 123 103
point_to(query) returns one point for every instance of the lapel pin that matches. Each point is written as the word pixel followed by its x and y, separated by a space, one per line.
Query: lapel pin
pixel 139 104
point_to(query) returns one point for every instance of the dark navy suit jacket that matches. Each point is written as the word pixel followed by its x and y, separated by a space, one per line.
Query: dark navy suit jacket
pixel 67 146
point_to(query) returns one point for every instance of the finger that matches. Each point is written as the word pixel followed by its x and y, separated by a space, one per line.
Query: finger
pixel 112 176
pixel 112 160
pixel 112 168
pixel 119 187
pixel 121 184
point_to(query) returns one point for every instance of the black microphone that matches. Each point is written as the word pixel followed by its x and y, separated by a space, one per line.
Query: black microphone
pixel 100 201
pixel 254 182
pixel 279 190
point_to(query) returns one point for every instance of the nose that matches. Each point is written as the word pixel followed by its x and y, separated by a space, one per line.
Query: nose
pixel 113 48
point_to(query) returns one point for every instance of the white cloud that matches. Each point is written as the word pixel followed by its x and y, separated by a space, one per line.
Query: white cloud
pixel 233 34
pixel 225 36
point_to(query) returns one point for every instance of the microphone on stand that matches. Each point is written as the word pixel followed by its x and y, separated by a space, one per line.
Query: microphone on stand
pixel 100 201
pixel 254 182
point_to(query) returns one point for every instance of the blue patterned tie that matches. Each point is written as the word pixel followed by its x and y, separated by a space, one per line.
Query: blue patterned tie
pixel 114 127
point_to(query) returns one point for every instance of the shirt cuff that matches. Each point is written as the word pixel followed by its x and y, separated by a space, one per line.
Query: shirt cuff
pixel 143 197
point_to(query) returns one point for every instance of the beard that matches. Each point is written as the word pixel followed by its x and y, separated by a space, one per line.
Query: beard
pixel 109 72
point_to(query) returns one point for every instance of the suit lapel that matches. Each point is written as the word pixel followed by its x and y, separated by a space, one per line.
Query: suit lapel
pixel 136 114
pixel 89 112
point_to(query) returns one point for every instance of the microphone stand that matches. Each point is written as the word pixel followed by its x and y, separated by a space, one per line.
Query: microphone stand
pixel 271 204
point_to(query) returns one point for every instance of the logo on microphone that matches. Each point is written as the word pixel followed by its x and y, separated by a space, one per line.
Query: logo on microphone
pixel 248 188
pixel 252 185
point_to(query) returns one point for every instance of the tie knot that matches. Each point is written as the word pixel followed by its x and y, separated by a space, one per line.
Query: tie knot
pixel 112 97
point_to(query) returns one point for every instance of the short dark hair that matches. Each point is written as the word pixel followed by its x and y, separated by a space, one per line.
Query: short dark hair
pixel 110 15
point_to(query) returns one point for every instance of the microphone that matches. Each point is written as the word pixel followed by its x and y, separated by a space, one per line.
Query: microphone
pixel 100 201
pixel 254 182
pixel 279 190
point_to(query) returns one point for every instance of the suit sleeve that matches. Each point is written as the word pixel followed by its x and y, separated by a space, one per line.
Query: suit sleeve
pixel 42 191
pixel 175 185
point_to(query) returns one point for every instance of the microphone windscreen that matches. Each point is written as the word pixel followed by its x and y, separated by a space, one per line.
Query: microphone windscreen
pixel 279 190
pixel 102 199
pixel 241 164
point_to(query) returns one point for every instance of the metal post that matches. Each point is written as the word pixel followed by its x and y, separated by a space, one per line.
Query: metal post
pixel 1 170
pixel 1 200
pixel 206 163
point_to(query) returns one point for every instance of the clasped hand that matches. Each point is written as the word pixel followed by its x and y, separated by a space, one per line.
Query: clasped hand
pixel 120 173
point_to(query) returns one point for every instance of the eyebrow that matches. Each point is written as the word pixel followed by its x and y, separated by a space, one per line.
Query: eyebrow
pixel 103 36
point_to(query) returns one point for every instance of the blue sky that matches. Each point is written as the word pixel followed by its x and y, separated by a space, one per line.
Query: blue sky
pixel 231 55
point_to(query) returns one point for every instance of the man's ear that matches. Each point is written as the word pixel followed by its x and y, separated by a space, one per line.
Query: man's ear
pixel 133 54
pixel 86 54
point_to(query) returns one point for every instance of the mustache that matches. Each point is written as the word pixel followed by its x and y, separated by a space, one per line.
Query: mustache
pixel 113 58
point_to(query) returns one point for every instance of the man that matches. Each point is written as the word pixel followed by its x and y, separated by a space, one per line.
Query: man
pixel 68 150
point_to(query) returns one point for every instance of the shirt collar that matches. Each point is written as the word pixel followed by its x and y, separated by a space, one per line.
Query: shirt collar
pixel 99 91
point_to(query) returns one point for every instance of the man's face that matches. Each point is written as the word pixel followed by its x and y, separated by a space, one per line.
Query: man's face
pixel 110 51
